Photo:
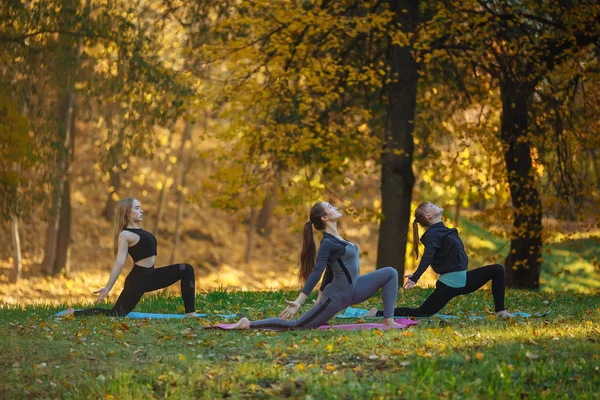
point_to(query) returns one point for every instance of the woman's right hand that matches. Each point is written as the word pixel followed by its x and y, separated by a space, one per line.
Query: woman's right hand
pixel 409 283
pixel 290 310
pixel 102 293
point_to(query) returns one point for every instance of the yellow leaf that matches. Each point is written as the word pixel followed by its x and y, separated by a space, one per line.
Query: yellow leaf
pixel 300 367
pixel 377 332
pixel 330 367
pixel 479 356
pixel 329 347
pixel 182 357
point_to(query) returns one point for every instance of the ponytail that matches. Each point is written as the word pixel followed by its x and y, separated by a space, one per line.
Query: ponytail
pixel 308 256
pixel 416 239
pixel 419 219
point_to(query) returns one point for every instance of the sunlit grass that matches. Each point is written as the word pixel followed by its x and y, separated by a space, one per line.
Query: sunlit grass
pixel 556 356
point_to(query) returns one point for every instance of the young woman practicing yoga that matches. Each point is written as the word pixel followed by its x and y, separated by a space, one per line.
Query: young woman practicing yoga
pixel 141 246
pixel 346 286
pixel 445 252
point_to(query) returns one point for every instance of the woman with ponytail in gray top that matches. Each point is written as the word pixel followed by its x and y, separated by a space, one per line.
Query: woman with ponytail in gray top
pixel 346 286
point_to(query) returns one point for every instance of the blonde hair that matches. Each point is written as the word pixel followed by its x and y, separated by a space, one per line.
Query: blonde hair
pixel 419 219
pixel 121 219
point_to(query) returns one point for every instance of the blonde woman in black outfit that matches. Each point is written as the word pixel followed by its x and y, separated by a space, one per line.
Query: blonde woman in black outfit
pixel 130 238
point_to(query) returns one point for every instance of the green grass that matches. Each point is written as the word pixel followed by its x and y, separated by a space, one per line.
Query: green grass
pixel 567 265
pixel 556 356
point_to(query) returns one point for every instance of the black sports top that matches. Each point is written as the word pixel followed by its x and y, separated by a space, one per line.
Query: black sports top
pixel 145 247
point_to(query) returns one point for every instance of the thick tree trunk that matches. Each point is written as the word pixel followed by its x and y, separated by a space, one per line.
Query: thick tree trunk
pixel 68 51
pixel 183 173
pixel 56 243
pixel 397 178
pixel 17 259
pixel 523 264
pixel 263 220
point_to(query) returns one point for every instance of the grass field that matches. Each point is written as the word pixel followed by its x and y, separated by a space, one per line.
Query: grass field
pixel 556 356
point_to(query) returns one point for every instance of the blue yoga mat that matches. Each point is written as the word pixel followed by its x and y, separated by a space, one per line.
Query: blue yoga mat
pixel 140 315
pixel 351 312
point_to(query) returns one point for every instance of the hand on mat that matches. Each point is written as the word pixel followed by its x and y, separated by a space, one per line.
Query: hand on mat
pixel 409 284
pixel 102 293
pixel 291 309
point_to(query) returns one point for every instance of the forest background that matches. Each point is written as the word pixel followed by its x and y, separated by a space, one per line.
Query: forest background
pixel 228 119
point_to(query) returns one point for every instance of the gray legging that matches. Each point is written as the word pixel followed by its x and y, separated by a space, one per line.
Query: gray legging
pixel 338 295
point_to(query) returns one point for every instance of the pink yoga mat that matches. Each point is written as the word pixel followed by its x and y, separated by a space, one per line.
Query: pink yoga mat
pixel 404 323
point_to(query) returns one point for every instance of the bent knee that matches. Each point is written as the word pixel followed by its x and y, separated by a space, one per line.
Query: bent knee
pixel 187 268
pixel 391 270
pixel 498 268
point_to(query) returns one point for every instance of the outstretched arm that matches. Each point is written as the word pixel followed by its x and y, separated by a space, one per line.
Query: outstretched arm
pixel 322 260
pixel 123 244
pixel 430 249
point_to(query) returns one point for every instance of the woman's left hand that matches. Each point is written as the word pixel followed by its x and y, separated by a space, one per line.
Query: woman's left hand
pixel 290 310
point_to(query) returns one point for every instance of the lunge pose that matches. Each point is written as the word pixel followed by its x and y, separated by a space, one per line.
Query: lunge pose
pixel 130 238
pixel 346 286
pixel 445 252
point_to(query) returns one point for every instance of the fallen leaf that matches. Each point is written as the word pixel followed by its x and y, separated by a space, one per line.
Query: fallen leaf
pixel 531 356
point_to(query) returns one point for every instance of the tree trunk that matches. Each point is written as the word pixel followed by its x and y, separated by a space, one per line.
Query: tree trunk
pixel 61 195
pixel 115 158
pixel 115 185
pixel 263 220
pixel 66 70
pixel 63 244
pixel 397 178
pixel 457 208
pixel 523 264
pixel 17 260
pixel 251 236
pixel 163 190
pixel 183 173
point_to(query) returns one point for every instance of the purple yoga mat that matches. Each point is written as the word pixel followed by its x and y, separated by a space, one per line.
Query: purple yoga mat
pixel 404 323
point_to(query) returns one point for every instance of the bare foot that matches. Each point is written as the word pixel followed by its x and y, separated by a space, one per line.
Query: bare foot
pixel 372 313
pixel 68 311
pixel 391 323
pixel 504 314
pixel 191 315
pixel 243 323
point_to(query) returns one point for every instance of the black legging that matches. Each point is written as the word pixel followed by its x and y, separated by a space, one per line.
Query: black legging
pixel 443 293
pixel 141 280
